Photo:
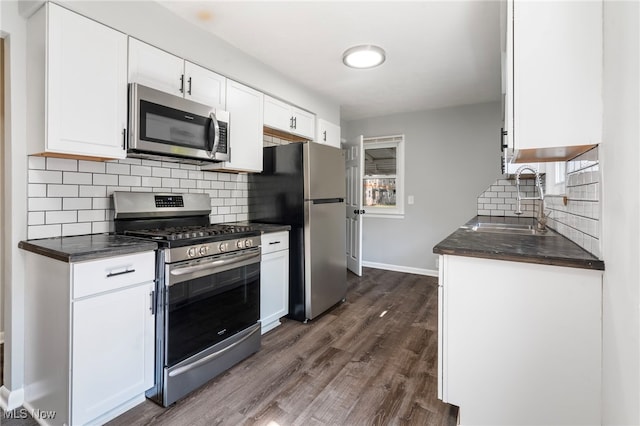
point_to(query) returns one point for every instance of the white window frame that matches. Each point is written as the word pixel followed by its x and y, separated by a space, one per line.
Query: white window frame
pixel 393 141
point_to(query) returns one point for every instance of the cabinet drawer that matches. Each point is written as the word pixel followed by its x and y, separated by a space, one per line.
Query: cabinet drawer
pixel 275 241
pixel 112 273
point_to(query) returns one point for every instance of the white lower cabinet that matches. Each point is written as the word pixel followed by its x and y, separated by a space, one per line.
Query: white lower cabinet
pixel 89 336
pixel 519 343
pixel 274 279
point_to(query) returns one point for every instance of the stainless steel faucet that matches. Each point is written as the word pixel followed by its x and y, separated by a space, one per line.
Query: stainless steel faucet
pixel 541 218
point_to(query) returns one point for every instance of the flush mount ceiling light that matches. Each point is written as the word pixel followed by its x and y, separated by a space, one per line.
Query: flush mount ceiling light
pixel 365 56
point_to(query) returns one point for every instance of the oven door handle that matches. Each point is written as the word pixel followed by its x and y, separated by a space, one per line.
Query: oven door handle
pixel 215 266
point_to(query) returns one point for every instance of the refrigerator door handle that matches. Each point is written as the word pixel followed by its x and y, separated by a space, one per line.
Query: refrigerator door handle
pixel 327 200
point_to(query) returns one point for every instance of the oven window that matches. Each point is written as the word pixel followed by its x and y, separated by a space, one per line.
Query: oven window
pixel 171 126
pixel 207 310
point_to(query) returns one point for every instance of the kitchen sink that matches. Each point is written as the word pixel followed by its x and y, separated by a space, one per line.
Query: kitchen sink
pixel 508 228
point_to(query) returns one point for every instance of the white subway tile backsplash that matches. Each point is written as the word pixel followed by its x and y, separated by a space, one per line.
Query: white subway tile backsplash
pixel 37 163
pixel 91 215
pixel 62 164
pixel 187 183
pixel 101 227
pixel 141 170
pixel 76 229
pixel 160 172
pixel 77 178
pixel 51 217
pixel 170 183
pixel 129 180
pixel 151 181
pixel 73 197
pixel 44 231
pixel 105 179
pixel 45 176
pixel 35 218
pixel 91 166
pixel 76 203
pixel 62 190
pixel 179 174
pixel 118 169
pixel 43 204
pixel 37 190
pixel 92 191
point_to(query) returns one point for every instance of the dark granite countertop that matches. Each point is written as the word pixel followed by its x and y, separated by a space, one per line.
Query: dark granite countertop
pixel 265 228
pixel 87 247
pixel 552 249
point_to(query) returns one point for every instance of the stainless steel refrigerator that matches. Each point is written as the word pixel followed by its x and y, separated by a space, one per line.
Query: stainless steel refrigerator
pixel 303 185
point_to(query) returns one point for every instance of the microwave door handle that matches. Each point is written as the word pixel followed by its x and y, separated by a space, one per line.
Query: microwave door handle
pixel 215 140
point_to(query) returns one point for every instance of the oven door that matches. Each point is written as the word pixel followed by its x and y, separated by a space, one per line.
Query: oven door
pixel 165 124
pixel 209 300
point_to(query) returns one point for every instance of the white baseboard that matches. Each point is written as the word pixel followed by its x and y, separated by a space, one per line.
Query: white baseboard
pixel 399 268
pixel 10 400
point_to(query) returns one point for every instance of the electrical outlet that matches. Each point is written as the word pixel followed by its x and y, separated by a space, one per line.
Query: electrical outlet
pixel 410 199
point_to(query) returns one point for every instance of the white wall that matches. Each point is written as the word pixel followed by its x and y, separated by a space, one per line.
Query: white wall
pixel 620 159
pixel 451 156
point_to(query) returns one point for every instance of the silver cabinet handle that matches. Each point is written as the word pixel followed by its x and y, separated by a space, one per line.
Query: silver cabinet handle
pixel 115 274
pixel 189 90
pixel 274 242
pixel 324 136
pixel 182 83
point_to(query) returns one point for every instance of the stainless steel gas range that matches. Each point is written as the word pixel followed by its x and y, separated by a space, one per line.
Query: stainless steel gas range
pixel 208 288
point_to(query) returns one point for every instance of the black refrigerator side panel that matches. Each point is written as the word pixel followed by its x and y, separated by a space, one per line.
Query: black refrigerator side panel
pixel 277 196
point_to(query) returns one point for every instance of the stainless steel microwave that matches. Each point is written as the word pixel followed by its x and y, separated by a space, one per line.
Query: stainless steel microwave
pixel 161 124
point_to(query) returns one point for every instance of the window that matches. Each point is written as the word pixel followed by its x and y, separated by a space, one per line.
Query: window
pixel 383 176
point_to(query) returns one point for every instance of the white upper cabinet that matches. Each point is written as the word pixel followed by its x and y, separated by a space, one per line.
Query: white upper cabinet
pixel 245 106
pixel 163 71
pixel 155 68
pixel 204 86
pixel 77 93
pixel 553 75
pixel 328 133
pixel 283 116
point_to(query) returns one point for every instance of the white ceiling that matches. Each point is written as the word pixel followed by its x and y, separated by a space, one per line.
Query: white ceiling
pixel 439 53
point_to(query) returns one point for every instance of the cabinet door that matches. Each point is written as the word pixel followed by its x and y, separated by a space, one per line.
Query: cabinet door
pixel 205 86
pixel 328 133
pixel 274 288
pixel 155 68
pixel 112 351
pixel 277 114
pixel 87 86
pixel 304 123
pixel 245 106
pixel 557 53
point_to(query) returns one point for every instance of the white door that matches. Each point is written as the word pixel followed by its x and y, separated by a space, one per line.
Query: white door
pixel 155 68
pixel 112 351
pixel 245 106
pixel 354 205
pixel 87 86
pixel 204 86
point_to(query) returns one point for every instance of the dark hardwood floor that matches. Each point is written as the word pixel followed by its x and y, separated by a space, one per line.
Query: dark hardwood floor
pixel 369 361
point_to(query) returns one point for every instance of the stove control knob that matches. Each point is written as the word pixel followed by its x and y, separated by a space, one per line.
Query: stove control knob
pixel 240 244
pixel 192 252
pixel 222 248
pixel 203 250
pixel 247 243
